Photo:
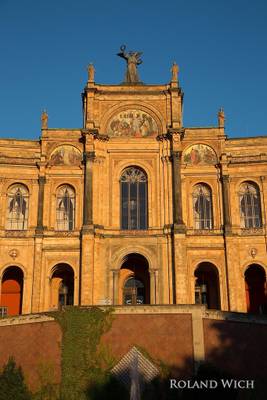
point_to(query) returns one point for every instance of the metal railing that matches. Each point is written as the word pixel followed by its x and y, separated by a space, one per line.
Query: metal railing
pixel 3 311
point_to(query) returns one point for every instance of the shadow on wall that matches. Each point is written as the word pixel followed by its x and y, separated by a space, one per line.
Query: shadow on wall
pixel 235 355
pixel 235 368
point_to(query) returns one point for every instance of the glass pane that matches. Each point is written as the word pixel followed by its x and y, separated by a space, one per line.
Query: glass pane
pixel 133 206
pixel 142 205
pixel 124 205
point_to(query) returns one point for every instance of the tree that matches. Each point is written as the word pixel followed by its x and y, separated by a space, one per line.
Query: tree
pixel 12 385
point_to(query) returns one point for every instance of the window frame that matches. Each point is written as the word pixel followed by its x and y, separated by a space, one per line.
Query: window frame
pixel 65 224
pixel 133 188
pixel 12 223
pixel 251 212
pixel 202 191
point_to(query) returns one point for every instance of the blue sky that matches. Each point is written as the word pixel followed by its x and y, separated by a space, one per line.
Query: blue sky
pixel 220 47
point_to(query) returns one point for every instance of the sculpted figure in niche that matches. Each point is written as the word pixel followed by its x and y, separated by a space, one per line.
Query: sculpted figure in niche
pixel 133 59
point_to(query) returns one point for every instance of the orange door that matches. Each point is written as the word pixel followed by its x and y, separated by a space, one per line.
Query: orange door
pixel 11 296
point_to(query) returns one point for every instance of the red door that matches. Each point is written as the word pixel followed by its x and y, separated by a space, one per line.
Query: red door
pixel 11 296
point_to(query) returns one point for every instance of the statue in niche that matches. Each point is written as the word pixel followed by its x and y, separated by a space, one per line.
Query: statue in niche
pixel 44 120
pixel 133 59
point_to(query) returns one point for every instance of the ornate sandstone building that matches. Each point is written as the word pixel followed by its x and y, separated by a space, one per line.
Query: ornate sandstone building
pixel 133 207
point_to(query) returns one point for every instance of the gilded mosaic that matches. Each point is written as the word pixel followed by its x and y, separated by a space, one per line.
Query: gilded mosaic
pixel 136 123
pixel 200 154
pixel 66 155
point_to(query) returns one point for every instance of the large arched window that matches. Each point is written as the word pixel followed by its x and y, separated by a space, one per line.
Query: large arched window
pixel 133 199
pixel 250 207
pixel 65 208
pixel 17 207
pixel 202 207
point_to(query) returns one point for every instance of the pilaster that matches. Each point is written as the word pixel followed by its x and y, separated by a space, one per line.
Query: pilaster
pixel 226 207
pixel 40 226
pixel 36 305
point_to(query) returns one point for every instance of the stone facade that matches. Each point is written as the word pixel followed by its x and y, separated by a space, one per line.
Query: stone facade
pixel 180 250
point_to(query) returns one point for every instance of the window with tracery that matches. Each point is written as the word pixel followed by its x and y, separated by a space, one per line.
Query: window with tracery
pixel 250 206
pixel 202 207
pixel 17 207
pixel 133 184
pixel 65 208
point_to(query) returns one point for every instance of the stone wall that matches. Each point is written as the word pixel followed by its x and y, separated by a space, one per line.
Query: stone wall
pixel 178 336
pixel 35 343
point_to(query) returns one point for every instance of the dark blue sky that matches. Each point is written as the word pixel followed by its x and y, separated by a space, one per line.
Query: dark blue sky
pixel 220 47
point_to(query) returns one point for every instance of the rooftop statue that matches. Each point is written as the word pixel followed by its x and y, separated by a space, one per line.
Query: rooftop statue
pixel 174 71
pixel 221 118
pixel 133 59
pixel 91 72
pixel 44 120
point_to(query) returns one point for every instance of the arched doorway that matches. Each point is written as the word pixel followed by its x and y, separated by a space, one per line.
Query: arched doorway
pixel 255 282
pixel 12 290
pixel 207 285
pixel 62 286
pixel 134 280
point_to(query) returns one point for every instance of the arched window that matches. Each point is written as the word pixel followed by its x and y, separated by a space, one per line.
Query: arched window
pixel 62 286
pixel 133 199
pixel 17 207
pixel 250 207
pixel 207 288
pixel 255 283
pixel 134 292
pixel 65 208
pixel 202 207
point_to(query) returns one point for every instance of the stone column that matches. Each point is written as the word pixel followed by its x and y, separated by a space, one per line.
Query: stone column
pixel 152 287
pixel 88 190
pixel 115 274
pixel 41 182
pixel 226 208
pixel 177 192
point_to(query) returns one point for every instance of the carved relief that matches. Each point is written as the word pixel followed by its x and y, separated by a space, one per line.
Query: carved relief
pixel 200 154
pixel 13 253
pixel 131 122
pixel 66 155
pixel 15 233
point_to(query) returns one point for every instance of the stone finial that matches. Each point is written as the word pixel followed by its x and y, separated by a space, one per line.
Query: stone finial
pixel 174 71
pixel 91 72
pixel 221 118
pixel 44 120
